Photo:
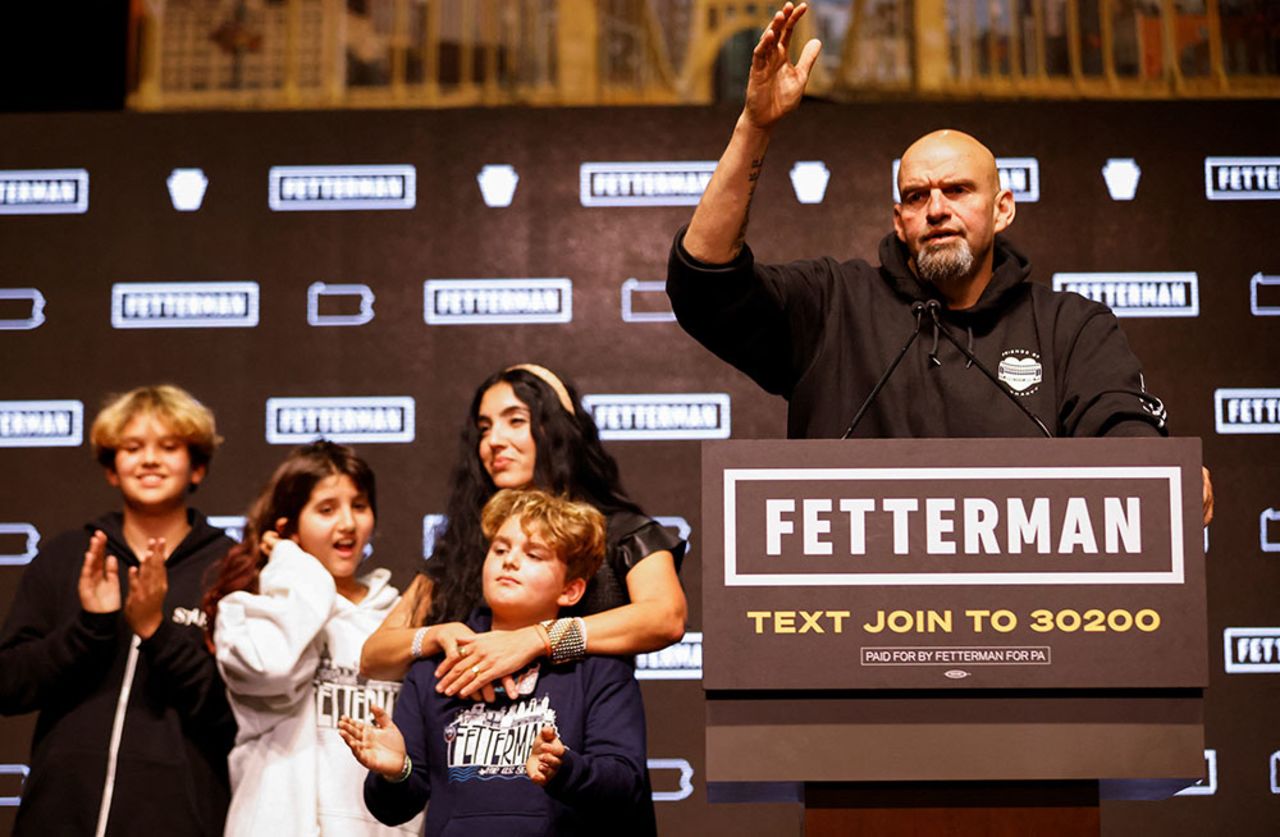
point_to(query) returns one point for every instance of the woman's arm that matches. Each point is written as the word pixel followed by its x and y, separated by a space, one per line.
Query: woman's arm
pixel 388 652
pixel 654 619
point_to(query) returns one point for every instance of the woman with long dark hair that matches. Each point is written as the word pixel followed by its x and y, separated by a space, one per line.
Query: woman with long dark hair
pixel 524 428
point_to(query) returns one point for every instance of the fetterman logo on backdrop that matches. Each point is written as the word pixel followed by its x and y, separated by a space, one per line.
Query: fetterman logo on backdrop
pixel 1207 786
pixel 41 424
pixel 44 192
pixel 19 543
pixel 21 309
pixel 1251 650
pixel 677 415
pixel 311 188
pixel 644 184
pixel 367 419
pixel 1137 294
pixel 1241 178
pixel 497 301
pixel 1020 175
pixel 1247 410
pixel 184 305
pixel 679 661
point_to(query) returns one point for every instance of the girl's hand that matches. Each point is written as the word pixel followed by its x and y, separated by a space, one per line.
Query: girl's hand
pixel 486 658
pixel 378 746
pixel 545 758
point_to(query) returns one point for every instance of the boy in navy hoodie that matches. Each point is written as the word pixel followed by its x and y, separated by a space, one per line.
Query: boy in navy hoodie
pixel 566 753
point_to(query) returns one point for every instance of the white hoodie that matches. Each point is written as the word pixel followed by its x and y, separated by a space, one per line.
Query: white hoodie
pixel 290 656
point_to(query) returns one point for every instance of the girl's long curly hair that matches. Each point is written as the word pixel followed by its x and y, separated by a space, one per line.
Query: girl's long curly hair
pixel 569 461
pixel 285 495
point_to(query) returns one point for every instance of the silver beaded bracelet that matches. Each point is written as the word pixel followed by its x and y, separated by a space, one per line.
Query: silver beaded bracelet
pixel 418 637
pixel 404 772
pixel 568 638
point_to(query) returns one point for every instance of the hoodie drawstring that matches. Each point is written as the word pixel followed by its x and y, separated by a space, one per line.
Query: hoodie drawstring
pixel 932 306
pixel 969 362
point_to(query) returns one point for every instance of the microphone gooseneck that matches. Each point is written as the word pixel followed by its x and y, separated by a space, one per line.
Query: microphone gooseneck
pixel 917 308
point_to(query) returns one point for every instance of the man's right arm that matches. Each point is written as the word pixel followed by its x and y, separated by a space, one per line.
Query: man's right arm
pixel 774 89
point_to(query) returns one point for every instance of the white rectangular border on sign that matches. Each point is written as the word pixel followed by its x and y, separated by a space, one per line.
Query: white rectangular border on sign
pixel 80 176
pixel 1192 309
pixel 564 315
pixel 720 399
pixel 407 201
pixel 404 402
pixel 120 289
pixel 733 578
pixel 1221 395
pixel 1231 634
pixel 76 408
pixel 691 166
pixel 1211 192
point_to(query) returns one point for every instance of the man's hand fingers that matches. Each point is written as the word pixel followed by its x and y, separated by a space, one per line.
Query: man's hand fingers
pixel 789 25
pixel 381 719
pixel 808 57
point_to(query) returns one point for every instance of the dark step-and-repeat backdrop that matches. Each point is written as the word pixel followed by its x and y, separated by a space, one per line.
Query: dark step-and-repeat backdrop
pixel 359 273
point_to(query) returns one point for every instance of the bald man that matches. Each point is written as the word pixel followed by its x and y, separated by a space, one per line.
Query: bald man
pixel 996 356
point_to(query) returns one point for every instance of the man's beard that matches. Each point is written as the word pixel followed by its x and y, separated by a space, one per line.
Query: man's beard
pixel 945 264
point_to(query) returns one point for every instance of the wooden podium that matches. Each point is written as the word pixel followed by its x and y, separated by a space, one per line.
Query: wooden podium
pixel 980 636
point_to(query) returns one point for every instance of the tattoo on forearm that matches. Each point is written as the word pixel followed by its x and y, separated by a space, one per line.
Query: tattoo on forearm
pixel 753 178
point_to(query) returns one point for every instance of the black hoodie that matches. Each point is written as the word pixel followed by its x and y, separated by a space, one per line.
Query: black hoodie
pixel 169 774
pixel 821 333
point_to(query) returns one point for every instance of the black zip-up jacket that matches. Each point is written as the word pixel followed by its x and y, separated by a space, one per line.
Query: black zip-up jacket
pixel 821 333
pixel 170 770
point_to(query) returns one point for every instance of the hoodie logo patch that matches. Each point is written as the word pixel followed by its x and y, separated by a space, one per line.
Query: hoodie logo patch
pixel 1020 370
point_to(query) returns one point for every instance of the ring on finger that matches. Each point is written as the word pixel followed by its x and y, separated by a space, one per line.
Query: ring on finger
pixel 475 669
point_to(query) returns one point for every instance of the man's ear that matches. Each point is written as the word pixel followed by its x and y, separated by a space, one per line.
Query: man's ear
pixel 1005 209
pixel 197 474
pixel 897 222
pixel 113 479
pixel 573 590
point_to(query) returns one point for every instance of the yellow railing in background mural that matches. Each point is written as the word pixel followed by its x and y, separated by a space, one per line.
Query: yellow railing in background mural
pixel 451 53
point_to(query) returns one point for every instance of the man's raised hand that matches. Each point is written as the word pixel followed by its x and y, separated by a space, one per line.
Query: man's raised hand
pixel 775 85
pixel 99 586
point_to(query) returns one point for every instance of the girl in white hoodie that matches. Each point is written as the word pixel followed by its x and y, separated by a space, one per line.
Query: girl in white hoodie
pixel 287 634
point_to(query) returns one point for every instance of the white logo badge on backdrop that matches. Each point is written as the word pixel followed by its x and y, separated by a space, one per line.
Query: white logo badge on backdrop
pixel 33 317
pixel 184 304
pixel 1137 294
pixel 1020 370
pixel 1121 175
pixel 232 524
pixel 11 533
pixel 44 192
pixel 684 785
pixel 809 179
pixel 644 184
pixel 41 424
pixel 187 188
pixel 321 295
pixel 646 302
pixel 1207 786
pixel 660 415
pixel 1247 410
pixel 679 661
pixel 1275 772
pixel 1241 178
pixel 311 188
pixel 498 183
pixel 497 301
pixel 1020 175
pixel 1251 650
pixel 1269 530
pixel 1264 295
pixel 351 419
pixel 432 528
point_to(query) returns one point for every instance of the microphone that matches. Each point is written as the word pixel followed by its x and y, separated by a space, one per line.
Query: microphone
pixel 917 308
pixel 933 308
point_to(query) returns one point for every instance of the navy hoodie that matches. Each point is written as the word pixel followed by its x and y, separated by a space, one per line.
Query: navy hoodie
pixel 468 756
pixel 821 333
pixel 170 771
